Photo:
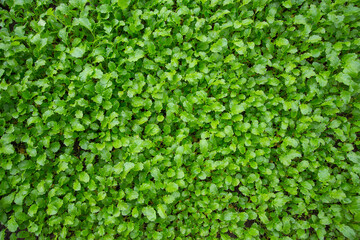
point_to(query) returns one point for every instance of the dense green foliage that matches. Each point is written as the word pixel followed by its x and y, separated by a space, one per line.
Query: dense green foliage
pixel 186 119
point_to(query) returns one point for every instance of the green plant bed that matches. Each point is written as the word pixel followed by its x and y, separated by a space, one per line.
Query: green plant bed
pixel 179 119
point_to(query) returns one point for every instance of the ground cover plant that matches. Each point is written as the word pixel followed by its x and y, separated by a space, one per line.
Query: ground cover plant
pixel 179 119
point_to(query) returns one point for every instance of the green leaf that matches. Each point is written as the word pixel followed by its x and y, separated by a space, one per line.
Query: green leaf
pixel 354 206
pixel 152 129
pixel 338 194
pixel 77 52
pixel 123 4
pixel 118 168
pixel 287 3
pixel 51 210
pixel 253 232
pixel 228 131
pixel 344 78
pixel 219 45
pixel 279 202
pixel 33 210
pixel 243 216
pixel 135 212
pixel 85 22
pixel 77 126
pixel 204 146
pixel 135 56
pixel 351 64
pixel 84 177
pixel 354 157
pixel 161 211
pixel 12 225
pixel 324 174
pixel 77 186
pixel 41 160
pixel 305 109
pixel 281 42
pixel 128 166
pixel 78 3
pixel 172 187
pixel 228 216
pixel 347 231
pixel 149 213
pixel 287 158
pixel 8 149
